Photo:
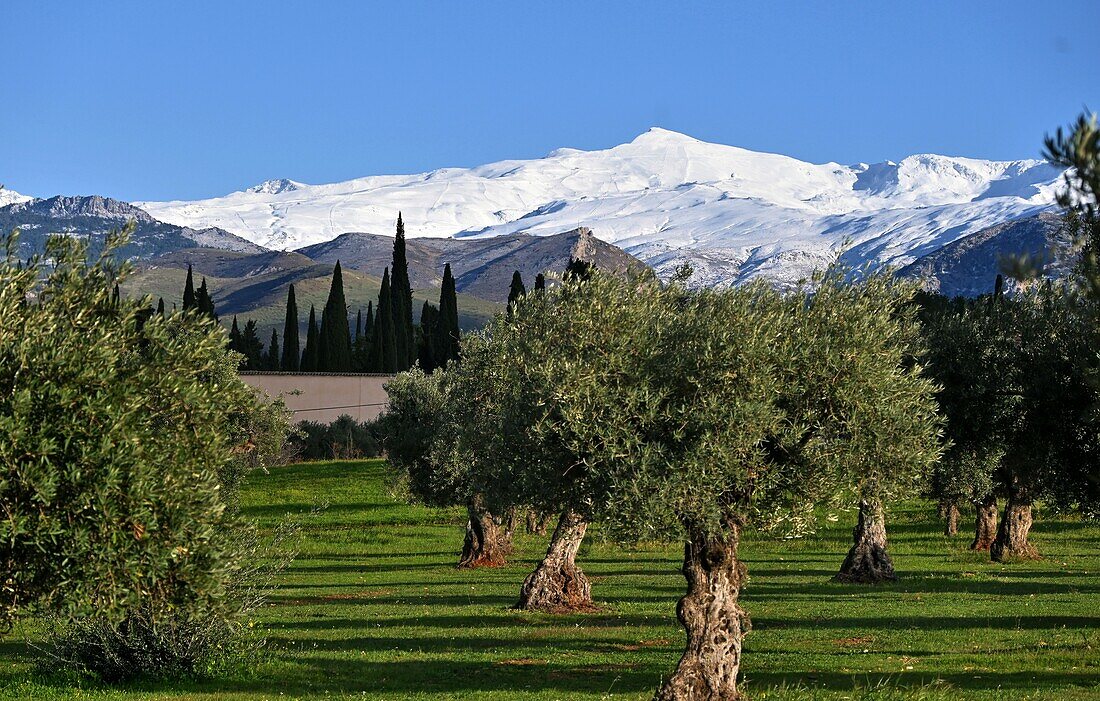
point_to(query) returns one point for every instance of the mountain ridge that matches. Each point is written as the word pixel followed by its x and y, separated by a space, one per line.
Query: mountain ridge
pixel 665 197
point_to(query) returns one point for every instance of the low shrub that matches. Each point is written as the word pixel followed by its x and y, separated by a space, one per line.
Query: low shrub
pixel 345 438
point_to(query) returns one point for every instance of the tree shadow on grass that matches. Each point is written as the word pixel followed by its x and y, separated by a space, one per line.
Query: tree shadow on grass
pixel 932 622
pixel 910 584
pixel 756 681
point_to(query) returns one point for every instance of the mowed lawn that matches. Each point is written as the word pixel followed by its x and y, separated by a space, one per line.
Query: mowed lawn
pixel 374 608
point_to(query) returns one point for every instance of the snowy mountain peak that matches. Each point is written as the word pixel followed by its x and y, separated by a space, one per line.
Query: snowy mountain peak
pixel 665 197
pixel 11 197
pixel 275 187
pixel 661 136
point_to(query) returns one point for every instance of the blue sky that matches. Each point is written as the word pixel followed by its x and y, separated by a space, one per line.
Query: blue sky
pixel 166 100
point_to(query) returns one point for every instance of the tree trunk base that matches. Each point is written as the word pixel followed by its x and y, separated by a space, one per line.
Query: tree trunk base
pixel 985 523
pixel 1012 541
pixel 714 622
pixel 482 546
pixel 537 522
pixel 557 585
pixel 951 524
pixel 868 562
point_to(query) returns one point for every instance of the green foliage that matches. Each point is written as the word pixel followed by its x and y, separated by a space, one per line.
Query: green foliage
pixel 117 442
pixel 343 439
pixel 420 431
pixel 698 409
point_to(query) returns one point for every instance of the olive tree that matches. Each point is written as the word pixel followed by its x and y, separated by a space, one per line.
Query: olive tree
pixel 970 349
pixel 118 430
pixel 508 382
pixel 421 431
pixel 703 413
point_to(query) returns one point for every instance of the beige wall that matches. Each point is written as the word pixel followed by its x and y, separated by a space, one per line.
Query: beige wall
pixel 323 397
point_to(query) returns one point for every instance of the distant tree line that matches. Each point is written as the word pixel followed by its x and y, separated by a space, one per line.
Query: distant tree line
pixel 384 340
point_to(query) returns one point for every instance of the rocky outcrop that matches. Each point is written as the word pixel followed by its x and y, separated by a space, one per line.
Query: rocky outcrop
pixel 483 266
pixel 92 217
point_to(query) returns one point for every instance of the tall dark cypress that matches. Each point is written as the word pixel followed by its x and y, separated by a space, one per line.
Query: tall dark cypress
pixel 335 340
pixel 160 307
pixel 235 336
pixel 252 347
pixel 309 355
pixel 447 335
pixel 401 296
pixel 204 303
pixel 515 291
pixel 189 301
pixel 540 282
pixel 358 326
pixel 374 353
pixel 426 352
pixel 368 323
pixel 291 359
pixel 384 329
pixel 271 356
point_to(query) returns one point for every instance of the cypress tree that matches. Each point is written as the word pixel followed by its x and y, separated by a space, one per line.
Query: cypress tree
pixel 358 325
pixel 335 345
pixel 251 346
pixel 204 303
pixel 116 296
pixel 446 331
pixel 384 329
pixel 235 336
pixel 374 355
pixel 401 296
pixel 515 291
pixel 160 307
pixel 368 324
pixel 189 301
pixel 291 359
pixel 271 358
pixel 309 355
pixel 540 282
pixel 426 351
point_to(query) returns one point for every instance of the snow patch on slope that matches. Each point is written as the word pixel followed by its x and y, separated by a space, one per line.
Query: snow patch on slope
pixel 11 197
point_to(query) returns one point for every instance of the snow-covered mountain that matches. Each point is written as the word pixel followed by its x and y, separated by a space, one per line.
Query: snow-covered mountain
pixel 664 197
pixel 11 197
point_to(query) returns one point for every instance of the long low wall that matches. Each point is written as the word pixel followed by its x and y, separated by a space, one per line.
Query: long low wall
pixel 323 396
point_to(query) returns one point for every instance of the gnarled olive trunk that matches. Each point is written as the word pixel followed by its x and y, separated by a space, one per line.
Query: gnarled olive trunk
pixel 557 584
pixel 1011 542
pixel 482 544
pixel 868 562
pixel 537 521
pixel 714 621
pixel 951 520
pixel 985 523
pixel 506 529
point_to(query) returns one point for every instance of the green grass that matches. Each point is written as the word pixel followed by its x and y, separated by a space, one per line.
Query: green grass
pixel 373 608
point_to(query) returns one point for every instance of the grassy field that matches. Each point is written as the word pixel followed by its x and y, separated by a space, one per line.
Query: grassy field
pixel 373 608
